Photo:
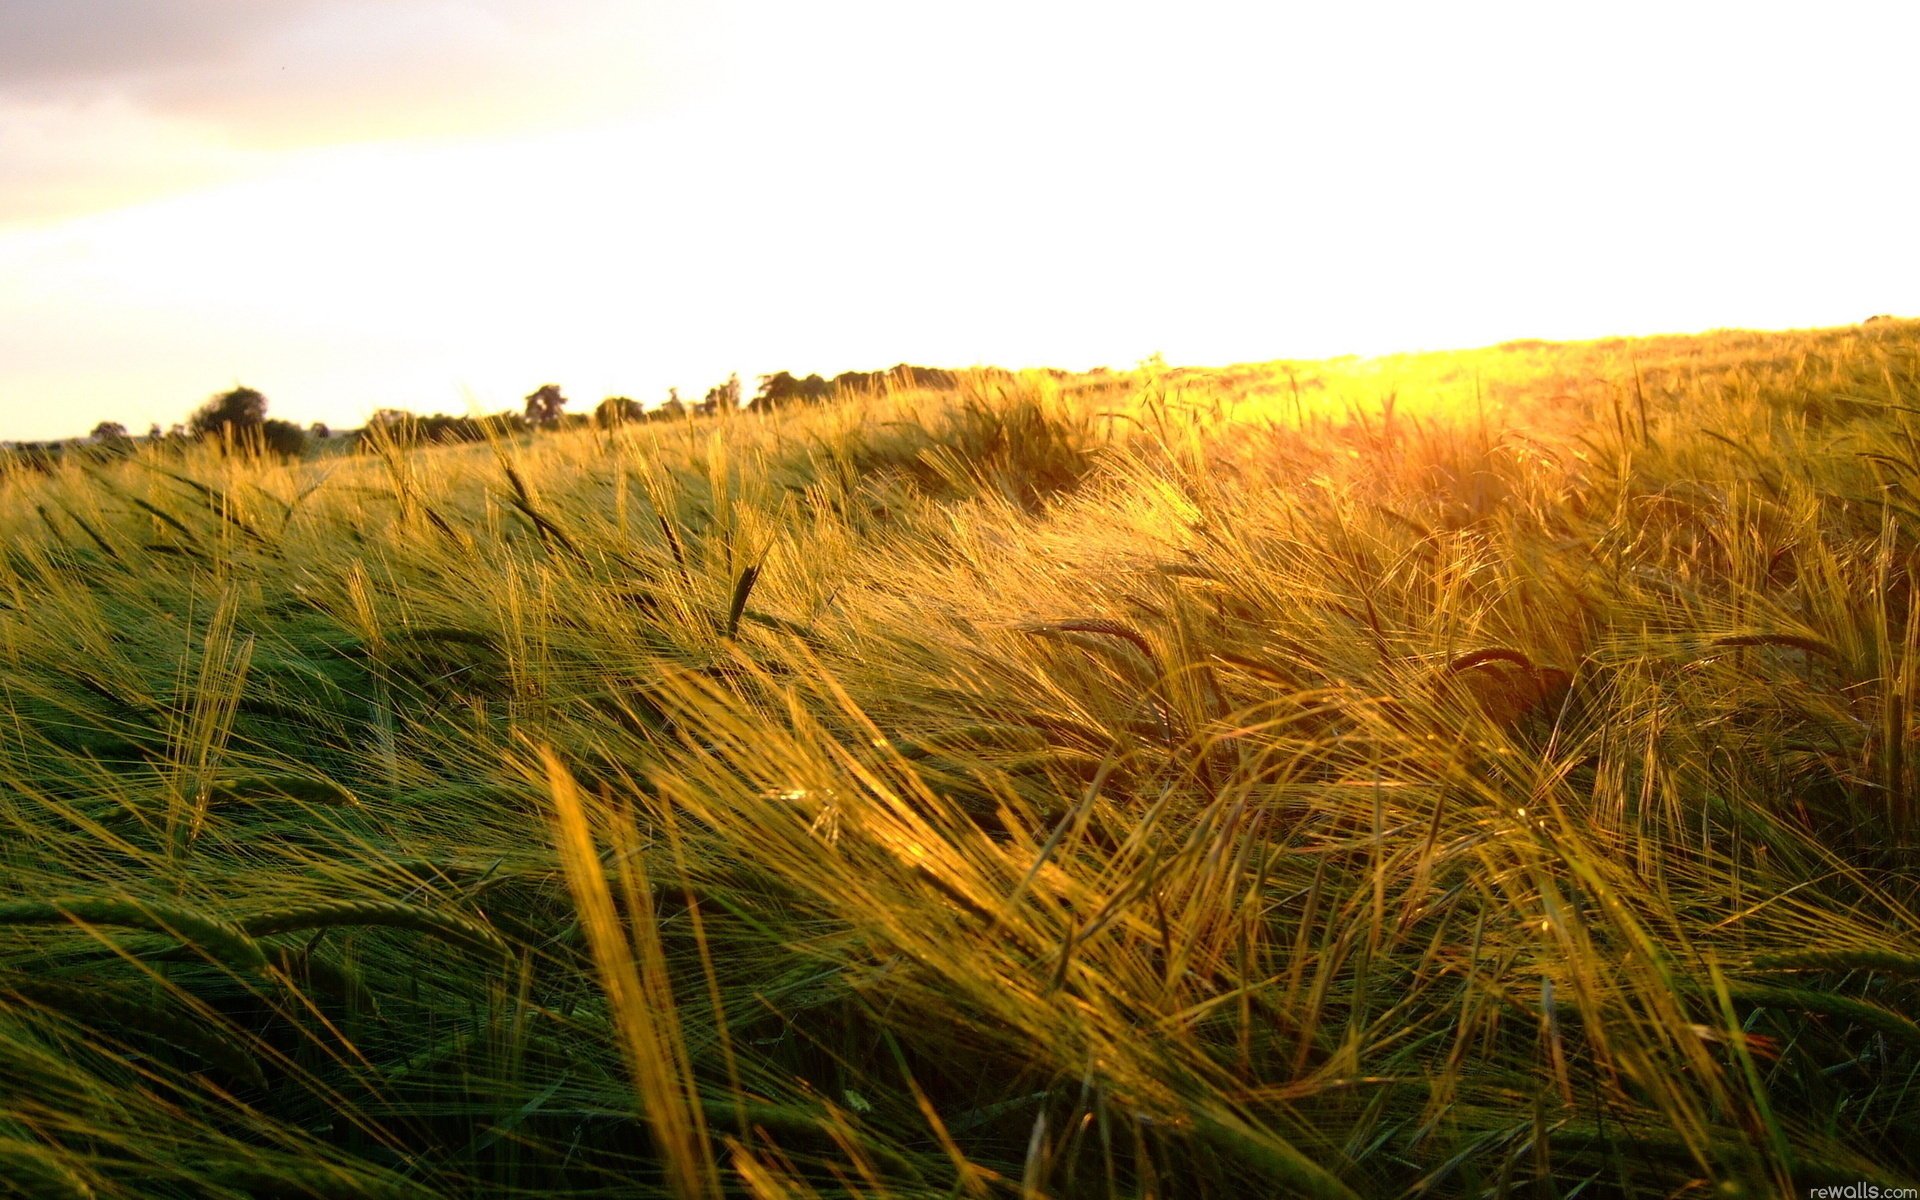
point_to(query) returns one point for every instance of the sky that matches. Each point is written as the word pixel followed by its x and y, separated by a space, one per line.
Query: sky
pixel 440 205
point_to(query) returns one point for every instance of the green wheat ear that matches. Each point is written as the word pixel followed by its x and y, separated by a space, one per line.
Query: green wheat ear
pixel 217 939
pixel 1860 1012
pixel 1790 641
pixel 389 913
pixel 1855 958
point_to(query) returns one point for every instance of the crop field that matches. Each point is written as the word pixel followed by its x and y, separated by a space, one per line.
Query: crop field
pixel 1464 774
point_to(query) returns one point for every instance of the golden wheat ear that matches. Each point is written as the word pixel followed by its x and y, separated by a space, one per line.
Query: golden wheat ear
pixel 1505 684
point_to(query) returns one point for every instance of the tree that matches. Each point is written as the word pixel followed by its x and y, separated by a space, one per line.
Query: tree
pixel 234 417
pixel 723 397
pixel 775 390
pixel 617 410
pixel 110 437
pixel 544 404
pixel 391 427
pixel 783 388
pixel 284 438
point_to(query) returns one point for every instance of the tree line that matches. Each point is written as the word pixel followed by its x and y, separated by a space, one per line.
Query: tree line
pixel 237 420
pixel 545 406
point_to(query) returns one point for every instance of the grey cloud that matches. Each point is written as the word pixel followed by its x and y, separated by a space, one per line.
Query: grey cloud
pixel 104 102
pixel 65 48
pixel 294 71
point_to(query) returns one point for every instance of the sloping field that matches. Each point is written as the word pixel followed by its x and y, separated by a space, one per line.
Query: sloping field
pixel 1463 774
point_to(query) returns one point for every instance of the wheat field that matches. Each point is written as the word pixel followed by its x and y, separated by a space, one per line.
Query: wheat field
pixel 1474 774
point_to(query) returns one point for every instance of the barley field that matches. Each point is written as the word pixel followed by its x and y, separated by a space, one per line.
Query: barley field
pixel 1468 774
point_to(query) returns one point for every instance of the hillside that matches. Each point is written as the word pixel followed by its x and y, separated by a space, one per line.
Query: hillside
pixel 1458 774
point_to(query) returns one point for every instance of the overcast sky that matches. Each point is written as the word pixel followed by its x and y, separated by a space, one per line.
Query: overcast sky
pixel 441 204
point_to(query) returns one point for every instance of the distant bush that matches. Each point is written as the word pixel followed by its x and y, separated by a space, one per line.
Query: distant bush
pixel 777 391
pixel 238 420
pixel 110 439
pixel 283 438
pixel 618 410
pixel 903 375
pixel 781 389
pixel 41 457
pixel 400 427
pixel 722 397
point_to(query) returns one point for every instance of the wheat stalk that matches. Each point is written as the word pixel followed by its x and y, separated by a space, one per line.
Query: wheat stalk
pixel 312 1178
pixel 98 1008
pixel 35 1170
